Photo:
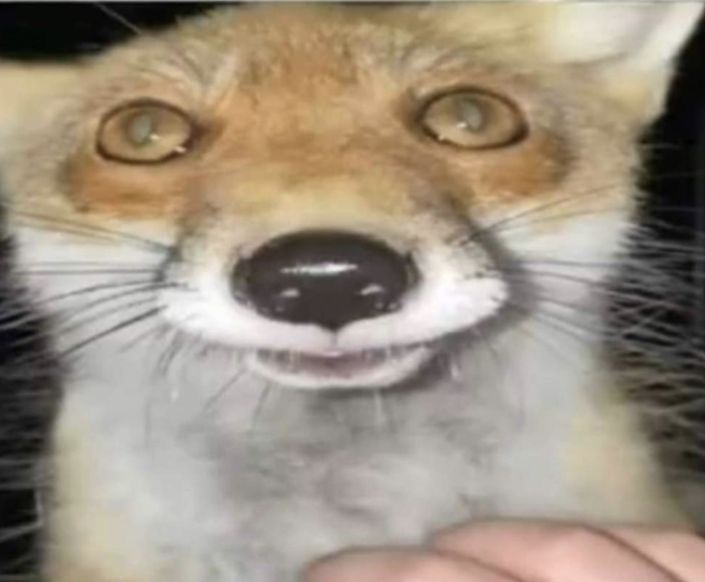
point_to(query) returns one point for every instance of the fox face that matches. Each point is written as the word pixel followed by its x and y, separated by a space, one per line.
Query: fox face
pixel 336 215
pixel 337 200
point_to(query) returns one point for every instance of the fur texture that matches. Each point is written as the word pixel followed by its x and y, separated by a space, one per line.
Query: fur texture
pixel 180 452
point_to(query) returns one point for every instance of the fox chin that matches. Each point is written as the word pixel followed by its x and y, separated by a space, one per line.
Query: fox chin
pixel 324 276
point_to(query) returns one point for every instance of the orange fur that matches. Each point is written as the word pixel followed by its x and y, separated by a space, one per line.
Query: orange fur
pixel 315 112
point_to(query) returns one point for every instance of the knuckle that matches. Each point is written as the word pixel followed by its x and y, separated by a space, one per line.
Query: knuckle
pixel 427 568
pixel 457 535
pixel 682 543
pixel 572 545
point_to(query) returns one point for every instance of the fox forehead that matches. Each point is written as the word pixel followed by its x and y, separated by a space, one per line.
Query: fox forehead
pixel 256 44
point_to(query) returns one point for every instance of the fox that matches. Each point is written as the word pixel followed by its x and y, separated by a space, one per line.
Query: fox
pixel 322 276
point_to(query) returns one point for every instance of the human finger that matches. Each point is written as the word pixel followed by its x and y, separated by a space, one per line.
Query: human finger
pixel 680 552
pixel 550 552
pixel 402 566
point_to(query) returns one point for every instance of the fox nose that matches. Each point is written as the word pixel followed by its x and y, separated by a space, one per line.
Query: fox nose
pixel 325 278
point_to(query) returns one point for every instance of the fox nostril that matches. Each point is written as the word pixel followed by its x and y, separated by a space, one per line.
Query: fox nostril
pixel 325 278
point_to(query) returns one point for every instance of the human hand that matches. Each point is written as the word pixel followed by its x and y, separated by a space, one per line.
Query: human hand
pixel 523 551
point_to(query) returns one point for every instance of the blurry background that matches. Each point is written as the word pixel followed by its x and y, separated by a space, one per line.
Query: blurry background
pixel 675 177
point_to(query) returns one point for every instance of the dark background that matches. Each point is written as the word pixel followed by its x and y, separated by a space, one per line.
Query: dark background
pixel 675 177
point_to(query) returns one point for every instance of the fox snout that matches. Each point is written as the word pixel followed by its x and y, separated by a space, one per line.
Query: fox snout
pixel 359 299
pixel 324 278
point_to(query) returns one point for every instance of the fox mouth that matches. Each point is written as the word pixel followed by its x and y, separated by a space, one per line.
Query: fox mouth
pixel 342 369
pixel 322 309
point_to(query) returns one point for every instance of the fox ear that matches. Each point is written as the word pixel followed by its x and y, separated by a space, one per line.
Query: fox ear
pixel 647 34
pixel 634 44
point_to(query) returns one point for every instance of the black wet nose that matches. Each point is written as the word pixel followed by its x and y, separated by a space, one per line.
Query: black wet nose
pixel 324 278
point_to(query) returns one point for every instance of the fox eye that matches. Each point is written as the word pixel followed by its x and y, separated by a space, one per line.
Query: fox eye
pixel 473 120
pixel 147 132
